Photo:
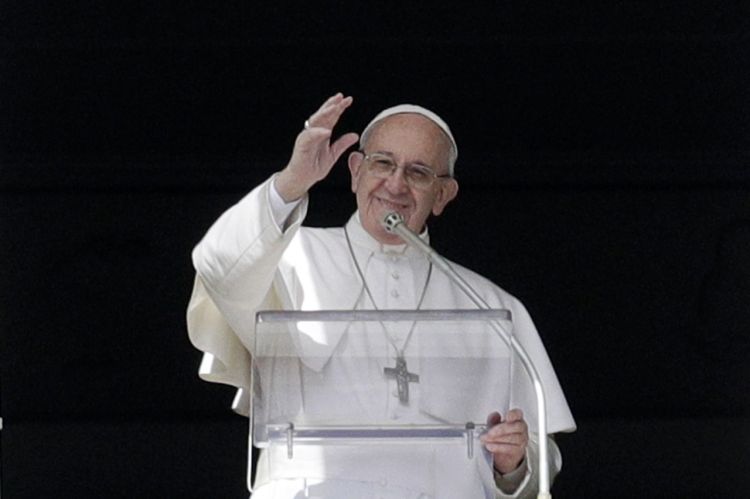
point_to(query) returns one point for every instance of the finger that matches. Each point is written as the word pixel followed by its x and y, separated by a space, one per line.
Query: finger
pixel 514 415
pixel 312 137
pixel 512 437
pixel 503 429
pixel 330 112
pixel 342 144
pixel 312 121
pixel 504 432
pixel 332 100
pixel 505 447
pixel 512 445
pixel 329 116
pixel 512 427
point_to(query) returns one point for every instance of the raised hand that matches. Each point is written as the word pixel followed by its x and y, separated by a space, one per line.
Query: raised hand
pixel 314 155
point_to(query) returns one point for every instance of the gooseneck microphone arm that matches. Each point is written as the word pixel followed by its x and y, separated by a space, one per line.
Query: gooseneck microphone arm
pixel 394 223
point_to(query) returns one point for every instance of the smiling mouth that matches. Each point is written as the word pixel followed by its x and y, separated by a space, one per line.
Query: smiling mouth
pixel 390 205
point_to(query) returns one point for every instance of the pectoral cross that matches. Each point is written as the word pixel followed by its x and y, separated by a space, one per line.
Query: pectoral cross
pixel 403 378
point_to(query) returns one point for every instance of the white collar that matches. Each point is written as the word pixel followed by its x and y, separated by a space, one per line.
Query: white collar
pixel 360 237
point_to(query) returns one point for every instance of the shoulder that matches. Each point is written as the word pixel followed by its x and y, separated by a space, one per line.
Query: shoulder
pixel 315 240
pixel 325 236
pixel 491 292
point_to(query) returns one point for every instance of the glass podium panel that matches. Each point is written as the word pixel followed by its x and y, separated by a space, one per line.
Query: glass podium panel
pixel 371 377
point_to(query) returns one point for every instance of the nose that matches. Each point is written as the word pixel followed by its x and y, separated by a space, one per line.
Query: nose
pixel 396 182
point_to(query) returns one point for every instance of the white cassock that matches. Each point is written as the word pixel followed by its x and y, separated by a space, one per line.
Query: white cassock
pixel 247 263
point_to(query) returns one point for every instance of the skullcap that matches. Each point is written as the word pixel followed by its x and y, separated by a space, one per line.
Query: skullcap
pixel 413 109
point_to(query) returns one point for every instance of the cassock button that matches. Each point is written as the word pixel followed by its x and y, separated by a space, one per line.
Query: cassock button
pixel 394 293
pixel 395 275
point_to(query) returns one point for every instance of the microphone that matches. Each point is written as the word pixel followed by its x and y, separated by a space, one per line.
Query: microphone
pixel 392 220
pixel 394 223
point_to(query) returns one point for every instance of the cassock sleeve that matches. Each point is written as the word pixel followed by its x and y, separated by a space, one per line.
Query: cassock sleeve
pixel 236 276
pixel 559 417
pixel 523 483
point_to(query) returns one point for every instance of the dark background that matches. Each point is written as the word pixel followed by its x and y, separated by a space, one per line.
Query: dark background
pixel 604 181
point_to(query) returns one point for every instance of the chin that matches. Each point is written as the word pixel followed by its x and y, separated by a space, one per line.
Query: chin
pixel 375 228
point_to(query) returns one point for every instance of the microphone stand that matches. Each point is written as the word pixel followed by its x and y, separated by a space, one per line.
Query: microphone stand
pixel 394 223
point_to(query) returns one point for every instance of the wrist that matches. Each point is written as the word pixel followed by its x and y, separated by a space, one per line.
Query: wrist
pixel 510 482
pixel 288 187
pixel 505 470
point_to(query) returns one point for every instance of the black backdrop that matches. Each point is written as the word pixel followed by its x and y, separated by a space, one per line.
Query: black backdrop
pixel 604 181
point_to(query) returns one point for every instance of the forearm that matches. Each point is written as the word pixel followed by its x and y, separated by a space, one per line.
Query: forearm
pixel 239 254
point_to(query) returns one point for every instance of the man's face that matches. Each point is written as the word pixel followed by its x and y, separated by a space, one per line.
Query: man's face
pixel 407 139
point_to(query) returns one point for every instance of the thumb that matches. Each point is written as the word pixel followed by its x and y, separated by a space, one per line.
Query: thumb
pixel 343 143
pixel 494 418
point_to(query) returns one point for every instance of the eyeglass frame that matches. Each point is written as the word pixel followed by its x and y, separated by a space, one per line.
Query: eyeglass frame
pixel 433 175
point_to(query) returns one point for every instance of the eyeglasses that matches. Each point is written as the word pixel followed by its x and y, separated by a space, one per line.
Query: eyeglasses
pixel 416 175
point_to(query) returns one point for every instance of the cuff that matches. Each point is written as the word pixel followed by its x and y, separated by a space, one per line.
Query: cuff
pixel 280 209
pixel 509 483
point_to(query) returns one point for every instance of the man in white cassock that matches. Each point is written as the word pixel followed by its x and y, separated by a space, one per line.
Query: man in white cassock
pixel 258 256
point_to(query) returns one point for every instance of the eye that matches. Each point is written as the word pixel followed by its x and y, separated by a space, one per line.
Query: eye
pixel 384 164
pixel 418 172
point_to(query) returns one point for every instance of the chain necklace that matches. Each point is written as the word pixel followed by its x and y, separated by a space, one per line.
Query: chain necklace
pixel 400 373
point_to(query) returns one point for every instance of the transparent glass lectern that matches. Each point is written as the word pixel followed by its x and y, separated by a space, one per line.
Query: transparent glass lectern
pixel 374 377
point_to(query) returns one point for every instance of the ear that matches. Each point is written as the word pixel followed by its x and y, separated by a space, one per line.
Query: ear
pixel 447 191
pixel 355 165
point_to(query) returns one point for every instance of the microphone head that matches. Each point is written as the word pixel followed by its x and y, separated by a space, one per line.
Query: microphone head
pixel 392 220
